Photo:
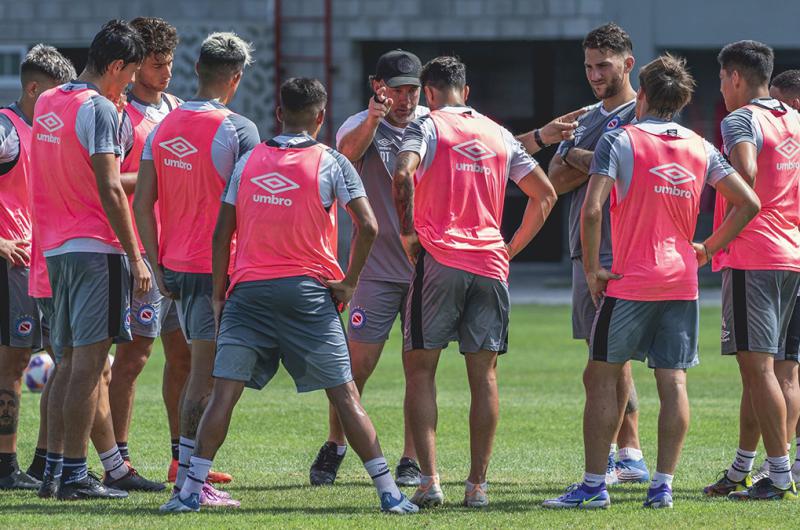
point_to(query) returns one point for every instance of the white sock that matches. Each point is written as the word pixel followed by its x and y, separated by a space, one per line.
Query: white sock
pixel 629 453
pixel 612 450
pixel 659 479
pixel 594 481
pixel 341 449
pixel 196 477
pixel 185 450
pixel 113 463
pixel 779 471
pixel 426 479
pixel 742 465
pixel 378 470
pixel 469 486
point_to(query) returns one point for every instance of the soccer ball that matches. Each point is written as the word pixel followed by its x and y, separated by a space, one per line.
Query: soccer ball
pixel 38 371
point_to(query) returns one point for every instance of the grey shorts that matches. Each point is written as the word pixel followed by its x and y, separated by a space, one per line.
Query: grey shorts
pixel 45 306
pixel 153 314
pixel 665 332
pixel 195 312
pixel 583 309
pixel 373 310
pixel 756 309
pixel 289 320
pixel 91 298
pixel 446 304
pixel 793 334
pixel 19 317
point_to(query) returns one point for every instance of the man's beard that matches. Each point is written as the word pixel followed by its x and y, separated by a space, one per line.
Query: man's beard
pixel 612 89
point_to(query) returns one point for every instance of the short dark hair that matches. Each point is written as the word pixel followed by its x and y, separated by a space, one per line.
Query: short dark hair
pixel 117 40
pixel 752 59
pixel 301 100
pixel 222 56
pixel 609 37
pixel 444 72
pixel 667 84
pixel 46 61
pixel 788 82
pixel 159 36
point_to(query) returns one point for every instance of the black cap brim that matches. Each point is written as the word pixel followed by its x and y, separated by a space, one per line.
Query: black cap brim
pixel 402 80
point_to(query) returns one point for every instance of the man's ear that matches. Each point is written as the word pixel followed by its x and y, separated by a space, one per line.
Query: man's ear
pixel 279 114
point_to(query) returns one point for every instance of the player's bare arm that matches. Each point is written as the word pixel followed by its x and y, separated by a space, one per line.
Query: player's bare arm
pixel 561 128
pixel 743 158
pixel 591 220
pixel 541 199
pixel 354 144
pixel 128 181
pixel 743 205
pixel 403 192
pixel 366 231
pixel 144 201
pixel 221 256
pixel 115 204
pixel 564 177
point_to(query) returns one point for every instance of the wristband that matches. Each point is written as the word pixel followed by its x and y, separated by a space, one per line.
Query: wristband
pixel 134 260
pixel 537 137
pixel 705 249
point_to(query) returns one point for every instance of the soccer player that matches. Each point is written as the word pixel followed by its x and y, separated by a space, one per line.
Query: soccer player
pixel 449 188
pixel 282 303
pixel 654 171
pixel 760 268
pixel 608 61
pixel 88 240
pixel 153 314
pixel 42 69
pixel 186 162
pixel 370 140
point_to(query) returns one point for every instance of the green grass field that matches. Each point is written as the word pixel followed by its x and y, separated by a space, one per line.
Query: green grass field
pixel 275 434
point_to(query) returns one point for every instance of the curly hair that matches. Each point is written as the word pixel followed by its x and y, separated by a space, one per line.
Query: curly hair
pixel 609 37
pixel 159 36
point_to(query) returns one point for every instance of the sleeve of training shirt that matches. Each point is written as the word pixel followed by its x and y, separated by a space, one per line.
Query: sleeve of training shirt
pixel 126 133
pixel 520 163
pixel 420 137
pixel 338 180
pixel 717 167
pixel 232 186
pixel 236 136
pixel 147 150
pixel 740 126
pixel 9 140
pixel 97 126
pixel 613 157
pixel 349 124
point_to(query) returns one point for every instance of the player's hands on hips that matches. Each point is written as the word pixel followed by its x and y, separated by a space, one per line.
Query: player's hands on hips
pixel 142 280
pixel 161 284
pixel 412 246
pixel 597 281
pixel 341 291
pixel 15 251
pixel 379 105
pixel 561 128
pixel 701 252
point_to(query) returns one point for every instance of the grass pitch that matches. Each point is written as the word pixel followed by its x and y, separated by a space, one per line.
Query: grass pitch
pixel 538 451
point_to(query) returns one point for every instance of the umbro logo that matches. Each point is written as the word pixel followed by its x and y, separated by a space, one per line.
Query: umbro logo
pixel 475 150
pixel 50 121
pixel 274 183
pixel 384 142
pixel 788 148
pixel 179 147
pixel 673 173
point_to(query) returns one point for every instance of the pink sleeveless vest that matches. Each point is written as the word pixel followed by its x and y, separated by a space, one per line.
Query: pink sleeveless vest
pixel 15 215
pixel 653 225
pixel 65 200
pixel 458 202
pixel 772 240
pixel 283 228
pixel 189 188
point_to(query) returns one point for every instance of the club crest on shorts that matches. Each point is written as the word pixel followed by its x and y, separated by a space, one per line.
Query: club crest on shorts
pixel 358 318
pixel 146 314
pixel 613 123
pixel 23 327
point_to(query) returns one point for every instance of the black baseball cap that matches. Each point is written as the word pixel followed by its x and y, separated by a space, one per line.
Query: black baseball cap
pixel 398 67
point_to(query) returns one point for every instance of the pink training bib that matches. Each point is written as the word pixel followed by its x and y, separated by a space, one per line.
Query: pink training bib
pixel 15 215
pixel 772 240
pixel 458 202
pixel 283 228
pixel 189 188
pixel 653 225
pixel 65 199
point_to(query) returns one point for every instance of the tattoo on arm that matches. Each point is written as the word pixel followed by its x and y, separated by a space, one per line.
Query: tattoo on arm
pixel 9 411
pixel 404 190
